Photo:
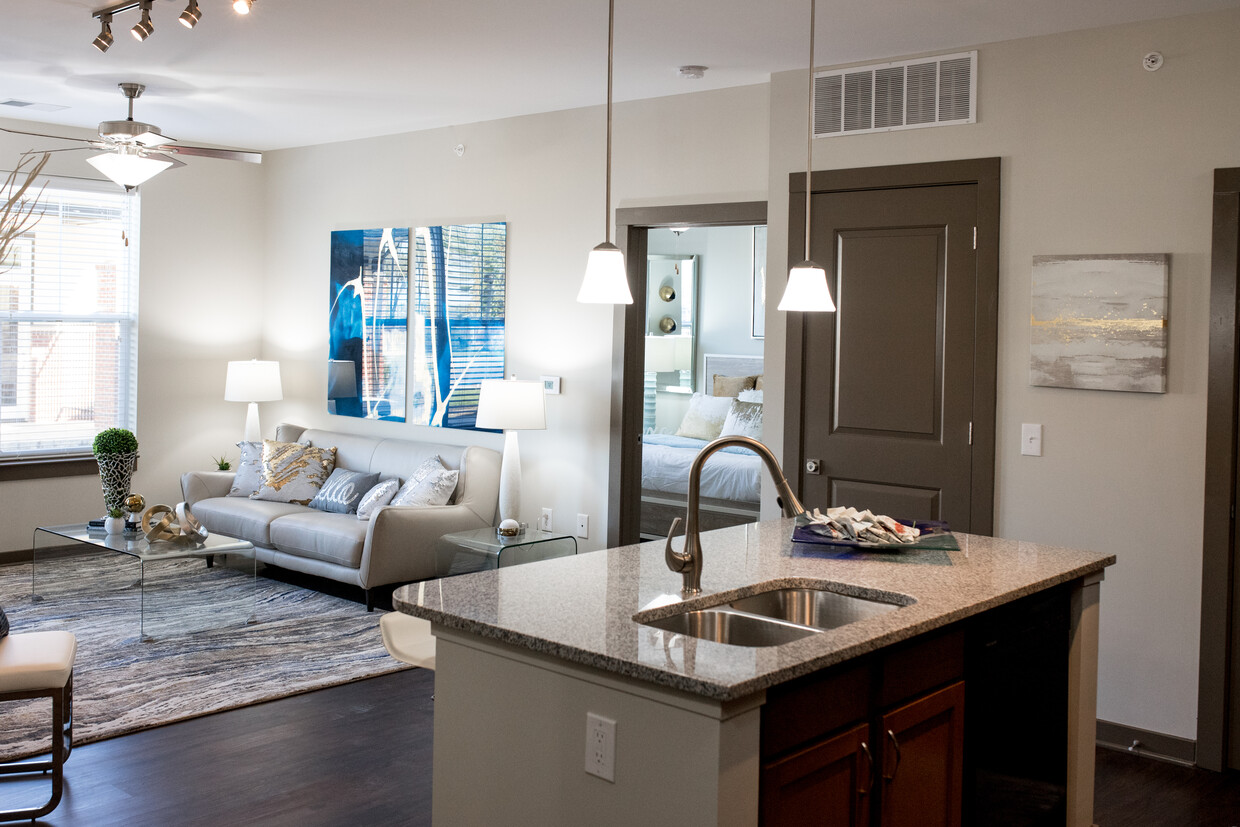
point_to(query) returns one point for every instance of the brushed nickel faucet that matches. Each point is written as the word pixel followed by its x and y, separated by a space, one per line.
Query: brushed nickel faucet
pixel 688 561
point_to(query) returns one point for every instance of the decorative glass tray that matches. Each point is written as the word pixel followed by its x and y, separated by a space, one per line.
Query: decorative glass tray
pixel 934 535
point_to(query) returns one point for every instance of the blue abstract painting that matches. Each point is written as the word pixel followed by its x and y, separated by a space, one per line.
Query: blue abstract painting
pixel 416 327
pixel 368 323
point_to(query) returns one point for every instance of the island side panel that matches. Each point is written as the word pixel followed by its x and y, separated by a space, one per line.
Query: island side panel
pixel 510 731
pixel 1083 699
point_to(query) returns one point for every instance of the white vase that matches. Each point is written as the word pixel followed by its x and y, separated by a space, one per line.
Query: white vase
pixel 114 525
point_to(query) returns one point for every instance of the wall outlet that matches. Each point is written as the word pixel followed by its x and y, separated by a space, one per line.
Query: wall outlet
pixel 601 747
pixel 544 520
pixel 583 525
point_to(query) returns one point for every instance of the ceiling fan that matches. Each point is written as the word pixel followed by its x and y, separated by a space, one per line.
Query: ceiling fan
pixel 135 151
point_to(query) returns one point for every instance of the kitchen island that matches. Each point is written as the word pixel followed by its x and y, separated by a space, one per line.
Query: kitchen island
pixel 704 731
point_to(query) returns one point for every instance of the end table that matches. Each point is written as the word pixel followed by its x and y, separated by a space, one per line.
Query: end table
pixel 482 550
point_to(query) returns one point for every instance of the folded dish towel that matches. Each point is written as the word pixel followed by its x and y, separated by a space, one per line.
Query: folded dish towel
pixel 860 526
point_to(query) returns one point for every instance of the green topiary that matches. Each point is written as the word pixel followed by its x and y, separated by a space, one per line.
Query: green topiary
pixel 115 441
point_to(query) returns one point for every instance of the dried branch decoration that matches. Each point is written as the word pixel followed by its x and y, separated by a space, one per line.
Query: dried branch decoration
pixel 19 212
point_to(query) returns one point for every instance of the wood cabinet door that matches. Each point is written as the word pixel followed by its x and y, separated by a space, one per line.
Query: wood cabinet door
pixel 922 761
pixel 828 783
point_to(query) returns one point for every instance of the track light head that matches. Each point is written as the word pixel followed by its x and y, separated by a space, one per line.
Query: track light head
pixel 242 6
pixel 144 27
pixel 104 41
pixel 190 17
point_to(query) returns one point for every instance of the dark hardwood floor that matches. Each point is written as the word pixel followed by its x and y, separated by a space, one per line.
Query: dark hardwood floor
pixel 360 754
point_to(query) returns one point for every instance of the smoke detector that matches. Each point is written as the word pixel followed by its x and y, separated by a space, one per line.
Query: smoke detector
pixel 693 72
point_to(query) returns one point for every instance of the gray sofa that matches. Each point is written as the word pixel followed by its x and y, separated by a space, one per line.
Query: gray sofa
pixel 397 545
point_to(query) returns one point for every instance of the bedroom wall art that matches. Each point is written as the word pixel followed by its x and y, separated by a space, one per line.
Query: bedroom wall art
pixel 1099 322
pixel 416 321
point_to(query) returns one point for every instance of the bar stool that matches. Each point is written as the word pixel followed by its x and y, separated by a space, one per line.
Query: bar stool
pixel 40 665
pixel 408 639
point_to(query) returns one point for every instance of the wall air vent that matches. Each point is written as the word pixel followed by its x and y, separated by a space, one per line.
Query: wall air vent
pixel 31 106
pixel 908 94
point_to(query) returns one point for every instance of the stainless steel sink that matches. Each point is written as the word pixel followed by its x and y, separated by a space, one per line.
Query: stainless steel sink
pixel 774 617
pixel 737 628
pixel 818 608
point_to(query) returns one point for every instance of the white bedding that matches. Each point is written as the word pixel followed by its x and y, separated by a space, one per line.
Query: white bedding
pixel 726 475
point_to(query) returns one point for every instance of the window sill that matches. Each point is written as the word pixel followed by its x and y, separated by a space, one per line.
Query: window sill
pixel 48 468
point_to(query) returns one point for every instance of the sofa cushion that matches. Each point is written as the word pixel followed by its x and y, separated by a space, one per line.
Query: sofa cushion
pixel 429 484
pixel 249 470
pixel 343 491
pixel 376 498
pixel 293 473
pixel 318 535
pixel 242 518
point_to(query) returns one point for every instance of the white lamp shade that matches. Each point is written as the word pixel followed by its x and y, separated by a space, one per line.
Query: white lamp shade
pixel 665 353
pixel 606 281
pixel 253 381
pixel 511 405
pixel 807 290
pixel 127 167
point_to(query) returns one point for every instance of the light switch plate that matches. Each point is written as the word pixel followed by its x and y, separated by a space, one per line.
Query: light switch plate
pixel 1031 439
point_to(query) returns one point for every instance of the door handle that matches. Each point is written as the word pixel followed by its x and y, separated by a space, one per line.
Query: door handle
pixel 896 745
pixel 869 762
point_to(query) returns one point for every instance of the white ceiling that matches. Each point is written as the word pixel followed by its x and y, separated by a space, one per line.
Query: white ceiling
pixel 298 72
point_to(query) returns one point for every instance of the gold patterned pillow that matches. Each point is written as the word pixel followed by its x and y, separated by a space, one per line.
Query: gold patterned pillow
pixel 293 473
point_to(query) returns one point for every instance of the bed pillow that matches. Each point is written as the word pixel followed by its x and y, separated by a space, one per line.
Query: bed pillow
pixel 249 474
pixel 750 396
pixel 377 497
pixel 730 385
pixel 704 419
pixel 429 484
pixel 757 382
pixel 343 491
pixel 4 623
pixel 744 419
pixel 293 473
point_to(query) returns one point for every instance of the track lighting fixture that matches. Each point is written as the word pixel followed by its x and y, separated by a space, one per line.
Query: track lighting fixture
pixel 144 26
pixel 104 41
pixel 190 17
pixel 143 29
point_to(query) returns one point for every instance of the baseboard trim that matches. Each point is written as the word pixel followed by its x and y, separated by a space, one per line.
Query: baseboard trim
pixel 1156 745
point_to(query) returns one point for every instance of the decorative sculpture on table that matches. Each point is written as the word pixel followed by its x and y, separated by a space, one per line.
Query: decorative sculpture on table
pixel 162 524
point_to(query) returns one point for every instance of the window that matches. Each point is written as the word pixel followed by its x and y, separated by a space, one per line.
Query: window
pixel 69 323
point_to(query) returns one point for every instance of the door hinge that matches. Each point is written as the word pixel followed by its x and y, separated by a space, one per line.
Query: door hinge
pixel 970 433
pixel 975 238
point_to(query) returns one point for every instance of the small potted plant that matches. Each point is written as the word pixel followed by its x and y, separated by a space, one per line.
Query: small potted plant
pixel 114 523
pixel 222 463
pixel 116 451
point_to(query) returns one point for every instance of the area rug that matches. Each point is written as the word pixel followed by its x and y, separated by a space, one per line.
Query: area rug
pixel 300 640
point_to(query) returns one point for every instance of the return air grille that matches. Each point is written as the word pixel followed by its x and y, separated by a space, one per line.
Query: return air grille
pixel 909 94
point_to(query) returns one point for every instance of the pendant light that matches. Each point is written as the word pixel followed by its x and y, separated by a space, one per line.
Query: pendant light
pixel 807 282
pixel 606 281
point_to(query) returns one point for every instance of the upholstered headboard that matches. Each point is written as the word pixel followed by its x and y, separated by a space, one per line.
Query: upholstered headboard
pixel 725 365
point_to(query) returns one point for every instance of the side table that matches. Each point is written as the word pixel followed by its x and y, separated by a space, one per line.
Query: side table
pixel 482 550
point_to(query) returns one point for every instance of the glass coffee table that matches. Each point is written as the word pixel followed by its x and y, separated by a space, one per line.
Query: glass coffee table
pixel 481 550
pixel 179 589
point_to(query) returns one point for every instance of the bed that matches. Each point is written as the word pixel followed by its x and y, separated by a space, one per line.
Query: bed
pixel 731 478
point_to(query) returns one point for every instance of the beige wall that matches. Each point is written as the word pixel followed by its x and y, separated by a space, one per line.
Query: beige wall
pixel 1099 156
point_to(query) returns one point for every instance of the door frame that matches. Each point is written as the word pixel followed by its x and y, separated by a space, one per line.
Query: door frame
pixel 624 457
pixel 1216 724
pixel 982 172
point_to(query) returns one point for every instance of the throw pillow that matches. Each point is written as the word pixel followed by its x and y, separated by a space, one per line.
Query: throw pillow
pixel 744 419
pixel 731 385
pixel 343 490
pixel 705 416
pixel 429 484
pixel 293 473
pixel 249 474
pixel 4 623
pixel 376 498
pixel 750 396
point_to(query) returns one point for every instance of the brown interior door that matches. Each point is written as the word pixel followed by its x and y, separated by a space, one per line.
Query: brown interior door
pixel 887 381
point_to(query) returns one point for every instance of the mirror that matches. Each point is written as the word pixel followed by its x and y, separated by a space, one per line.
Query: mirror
pixel 671 295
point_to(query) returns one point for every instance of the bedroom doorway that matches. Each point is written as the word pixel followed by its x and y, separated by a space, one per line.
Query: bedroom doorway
pixel 697 275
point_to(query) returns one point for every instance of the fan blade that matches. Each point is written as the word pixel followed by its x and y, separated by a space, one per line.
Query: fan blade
pixel 226 154
pixel 164 156
pixel 41 135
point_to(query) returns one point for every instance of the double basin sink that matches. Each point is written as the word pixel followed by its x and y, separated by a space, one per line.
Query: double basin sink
pixel 776 616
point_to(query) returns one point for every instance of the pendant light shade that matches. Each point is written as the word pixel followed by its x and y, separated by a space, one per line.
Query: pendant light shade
pixel 807 289
pixel 606 280
pixel 128 166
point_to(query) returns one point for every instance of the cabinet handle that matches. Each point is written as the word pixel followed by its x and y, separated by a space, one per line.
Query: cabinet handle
pixel 896 745
pixel 869 760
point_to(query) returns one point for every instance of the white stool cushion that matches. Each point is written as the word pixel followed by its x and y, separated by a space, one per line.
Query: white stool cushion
pixel 36 660
pixel 408 639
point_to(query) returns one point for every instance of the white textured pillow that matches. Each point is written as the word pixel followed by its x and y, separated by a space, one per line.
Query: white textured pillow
pixel 704 419
pixel 750 396
pixel 429 484
pixel 249 474
pixel 744 419
pixel 376 498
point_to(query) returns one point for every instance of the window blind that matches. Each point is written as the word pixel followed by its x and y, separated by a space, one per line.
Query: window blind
pixel 69 323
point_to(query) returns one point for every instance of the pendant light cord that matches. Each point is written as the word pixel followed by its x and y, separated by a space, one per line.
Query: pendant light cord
pixel 611 32
pixel 809 141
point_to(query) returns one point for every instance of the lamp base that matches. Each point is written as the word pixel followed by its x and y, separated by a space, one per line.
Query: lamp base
pixel 510 479
pixel 253 433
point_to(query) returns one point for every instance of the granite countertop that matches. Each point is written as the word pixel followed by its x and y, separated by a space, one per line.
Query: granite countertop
pixel 581 609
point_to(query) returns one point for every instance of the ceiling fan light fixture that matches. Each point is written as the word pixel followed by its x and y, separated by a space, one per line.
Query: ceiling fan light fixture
pixel 144 27
pixel 190 17
pixel 104 41
pixel 242 6
pixel 128 166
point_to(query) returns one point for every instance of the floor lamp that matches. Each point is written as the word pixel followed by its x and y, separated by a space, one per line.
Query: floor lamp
pixel 253 382
pixel 511 405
